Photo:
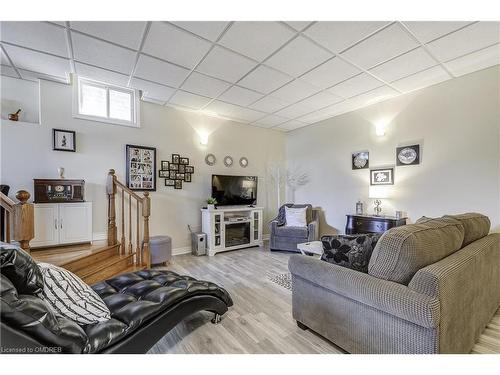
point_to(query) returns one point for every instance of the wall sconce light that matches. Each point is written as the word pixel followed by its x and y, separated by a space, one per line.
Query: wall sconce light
pixel 203 137
pixel 380 128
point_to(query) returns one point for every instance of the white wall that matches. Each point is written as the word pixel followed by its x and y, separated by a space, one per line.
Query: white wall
pixel 457 124
pixel 27 153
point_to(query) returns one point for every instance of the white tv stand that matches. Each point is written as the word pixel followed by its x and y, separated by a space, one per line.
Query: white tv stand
pixel 232 227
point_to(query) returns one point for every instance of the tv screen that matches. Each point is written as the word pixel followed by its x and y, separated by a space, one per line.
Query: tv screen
pixel 234 190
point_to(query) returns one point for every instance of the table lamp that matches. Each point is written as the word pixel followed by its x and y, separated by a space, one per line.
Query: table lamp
pixel 378 193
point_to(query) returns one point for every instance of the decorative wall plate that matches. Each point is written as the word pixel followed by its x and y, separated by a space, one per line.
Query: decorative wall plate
pixel 243 162
pixel 360 160
pixel 228 161
pixel 408 155
pixel 210 159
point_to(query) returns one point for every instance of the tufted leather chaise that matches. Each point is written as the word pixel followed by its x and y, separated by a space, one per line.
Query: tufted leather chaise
pixel 144 306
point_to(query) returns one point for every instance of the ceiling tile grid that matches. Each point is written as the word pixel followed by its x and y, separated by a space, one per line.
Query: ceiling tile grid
pixel 281 75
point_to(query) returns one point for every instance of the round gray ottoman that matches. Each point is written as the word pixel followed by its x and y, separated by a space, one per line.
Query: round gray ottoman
pixel 161 249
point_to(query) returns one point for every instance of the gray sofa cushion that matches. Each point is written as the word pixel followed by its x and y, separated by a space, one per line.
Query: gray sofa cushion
pixel 285 231
pixel 402 251
pixel 476 226
pixel 282 216
pixel 351 251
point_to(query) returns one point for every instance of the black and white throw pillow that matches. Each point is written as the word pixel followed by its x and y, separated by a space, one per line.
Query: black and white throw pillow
pixel 70 297
pixel 351 251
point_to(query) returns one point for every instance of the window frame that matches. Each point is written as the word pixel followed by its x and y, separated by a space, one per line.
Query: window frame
pixel 134 99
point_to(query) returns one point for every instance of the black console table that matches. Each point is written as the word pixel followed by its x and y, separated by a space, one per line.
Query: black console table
pixel 359 224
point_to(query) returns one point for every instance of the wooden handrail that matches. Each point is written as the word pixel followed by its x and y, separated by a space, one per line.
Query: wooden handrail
pixel 23 218
pixel 143 208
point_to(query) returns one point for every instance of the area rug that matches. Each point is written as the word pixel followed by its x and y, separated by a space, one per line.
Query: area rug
pixel 283 279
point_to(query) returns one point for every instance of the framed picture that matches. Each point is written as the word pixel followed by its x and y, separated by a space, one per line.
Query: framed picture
pixel 189 169
pixel 163 174
pixel 175 158
pixel 182 168
pixel 178 184
pixel 164 165
pixel 184 161
pixel 179 176
pixel 187 177
pixel 408 155
pixel 169 182
pixel 173 167
pixel 141 167
pixel 63 140
pixel 172 175
pixel 360 160
pixel 382 176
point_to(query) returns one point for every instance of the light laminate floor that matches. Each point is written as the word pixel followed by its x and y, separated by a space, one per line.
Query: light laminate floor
pixel 260 320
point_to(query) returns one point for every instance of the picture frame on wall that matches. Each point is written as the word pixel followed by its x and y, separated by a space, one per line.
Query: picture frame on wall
pixel 172 175
pixel 360 160
pixel 63 140
pixel 175 158
pixel 184 161
pixel 163 174
pixel 182 168
pixel 178 184
pixel 382 176
pixel 173 167
pixel 189 169
pixel 408 155
pixel 169 182
pixel 141 167
pixel 165 165
pixel 187 177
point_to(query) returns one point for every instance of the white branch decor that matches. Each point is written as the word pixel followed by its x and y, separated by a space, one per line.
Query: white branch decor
pixel 296 178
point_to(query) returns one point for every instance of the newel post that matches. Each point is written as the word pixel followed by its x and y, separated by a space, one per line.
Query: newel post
pixel 24 220
pixel 146 211
pixel 111 191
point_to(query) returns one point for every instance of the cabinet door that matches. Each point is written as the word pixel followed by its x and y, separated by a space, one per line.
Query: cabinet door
pixel 256 226
pixel 46 225
pixel 75 222
pixel 218 230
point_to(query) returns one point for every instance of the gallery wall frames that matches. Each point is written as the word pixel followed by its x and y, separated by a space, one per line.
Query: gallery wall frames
pixel 408 155
pixel 141 167
pixel 176 171
pixel 360 160
pixel 382 176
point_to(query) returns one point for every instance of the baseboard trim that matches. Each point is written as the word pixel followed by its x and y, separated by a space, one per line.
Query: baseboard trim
pixel 181 250
pixel 99 236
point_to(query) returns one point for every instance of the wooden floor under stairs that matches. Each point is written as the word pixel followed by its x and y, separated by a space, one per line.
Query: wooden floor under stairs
pixel 91 262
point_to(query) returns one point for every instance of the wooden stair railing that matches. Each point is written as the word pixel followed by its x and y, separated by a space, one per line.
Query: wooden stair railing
pixel 142 207
pixel 19 219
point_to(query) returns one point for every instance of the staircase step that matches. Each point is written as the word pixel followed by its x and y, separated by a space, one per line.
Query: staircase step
pixel 92 258
pixel 106 268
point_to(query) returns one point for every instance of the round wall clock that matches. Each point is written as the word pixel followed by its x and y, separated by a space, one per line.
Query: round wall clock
pixel 407 155
pixel 243 162
pixel 210 159
pixel 228 161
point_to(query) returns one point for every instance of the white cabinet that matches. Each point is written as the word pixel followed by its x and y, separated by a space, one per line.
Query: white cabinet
pixel 62 223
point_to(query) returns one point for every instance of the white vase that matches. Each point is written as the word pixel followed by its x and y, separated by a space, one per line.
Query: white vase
pixel 60 170
pixel 211 207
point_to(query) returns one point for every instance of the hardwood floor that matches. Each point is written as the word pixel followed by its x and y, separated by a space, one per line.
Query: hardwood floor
pixel 260 320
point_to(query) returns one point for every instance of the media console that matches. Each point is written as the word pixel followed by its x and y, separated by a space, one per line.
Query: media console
pixel 232 227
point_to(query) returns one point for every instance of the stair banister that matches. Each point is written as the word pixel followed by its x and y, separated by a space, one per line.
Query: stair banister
pixel 23 218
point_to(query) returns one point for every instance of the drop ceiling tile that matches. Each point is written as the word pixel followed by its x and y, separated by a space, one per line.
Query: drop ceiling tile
pixel 466 40
pixel 405 65
pixel 295 90
pixel 475 61
pixel 422 79
pixel 380 47
pixel 102 54
pixel 151 100
pixel 320 100
pixel 425 31
pixel 125 33
pixel 240 96
pixel 98 74
pixel 226 65
pixel 270 121
pixel 160 71
pixel 337 36
pixel 247 115
pixel 331 72
pixel 314 117
pixel 189 100
pixel 297 57
pixel 294 111
pixel 152 90
pixel 37 35
pixel 264 79
pixel 35 76
pixel 200 84
pixel 269 104
pixel 169 43
pixel 291 125
pixel 256 39
pixel 298 25
pixel 222 109
pixel 374 96
pixel 343 107
pixel 38 62
pixel 355 86
pixel 207 29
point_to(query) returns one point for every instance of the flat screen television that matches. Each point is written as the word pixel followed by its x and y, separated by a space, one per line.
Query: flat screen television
pixel 234 190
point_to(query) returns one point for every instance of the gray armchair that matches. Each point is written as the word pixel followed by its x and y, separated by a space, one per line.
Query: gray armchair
pixel 286 238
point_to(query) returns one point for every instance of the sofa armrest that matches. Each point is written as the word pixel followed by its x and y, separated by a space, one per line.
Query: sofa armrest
pixel 313 230
pixel 273 225
pixel 390 297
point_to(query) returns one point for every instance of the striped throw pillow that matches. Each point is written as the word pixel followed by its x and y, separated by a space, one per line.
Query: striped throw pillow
pixel 70 297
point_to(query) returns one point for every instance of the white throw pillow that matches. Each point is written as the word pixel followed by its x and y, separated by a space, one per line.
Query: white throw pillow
pixel 295 217
pixel 70 297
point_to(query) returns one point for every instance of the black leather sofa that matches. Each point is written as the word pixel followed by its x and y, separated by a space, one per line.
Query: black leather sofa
pixel 144 306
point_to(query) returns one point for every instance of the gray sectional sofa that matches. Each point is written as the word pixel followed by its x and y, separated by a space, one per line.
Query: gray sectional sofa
pixel 431 287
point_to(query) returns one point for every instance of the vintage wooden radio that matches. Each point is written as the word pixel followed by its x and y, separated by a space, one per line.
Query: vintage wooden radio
pixel 59 190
